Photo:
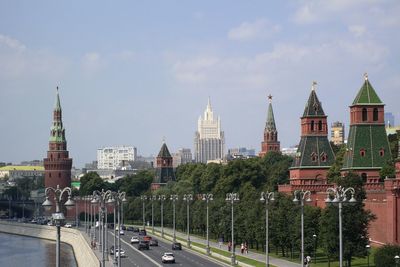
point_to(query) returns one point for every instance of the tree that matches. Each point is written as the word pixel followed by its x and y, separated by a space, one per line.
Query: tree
pixel 334 170
pixel 394 145
pixel 89 183
pixel 384 256
pixel 388 170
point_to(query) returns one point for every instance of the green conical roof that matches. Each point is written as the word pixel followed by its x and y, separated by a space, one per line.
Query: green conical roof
pixel 270 124
pixel 58 105
pixel 313 105
pixel 164 152
pixel 57 131
pixel 367 95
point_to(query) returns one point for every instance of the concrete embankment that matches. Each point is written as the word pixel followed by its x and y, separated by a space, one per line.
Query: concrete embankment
pixel 84 255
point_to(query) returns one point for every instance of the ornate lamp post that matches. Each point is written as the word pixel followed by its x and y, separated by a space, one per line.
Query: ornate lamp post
pixel 162 198
pixel 315 248
pixel 232 197
pixel 299 198
pixel 368 247
pixel 58 216
pixel 143 198
pixel 152 199
pixel 207 198
pixel 267 197
pixel 174 198
pixel 188 198
pixel 340 197
pixel 397 260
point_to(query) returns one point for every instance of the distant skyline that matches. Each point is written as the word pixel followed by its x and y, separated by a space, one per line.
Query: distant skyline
pixel 131 73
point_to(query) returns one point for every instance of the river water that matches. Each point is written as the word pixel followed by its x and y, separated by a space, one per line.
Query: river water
pixel 16 251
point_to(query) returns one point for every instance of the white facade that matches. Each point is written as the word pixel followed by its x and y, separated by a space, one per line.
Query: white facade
pixel 112 158
pixel 209 141
pixel 183 156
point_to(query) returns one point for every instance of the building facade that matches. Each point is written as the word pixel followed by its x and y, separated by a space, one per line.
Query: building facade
pixel 209 141
pixel 183 156
pixel 337 133
pixel 389 119
pixel 270 142
pixel 164 168
pixel 115 157
pixel 57 165
pixel 241 153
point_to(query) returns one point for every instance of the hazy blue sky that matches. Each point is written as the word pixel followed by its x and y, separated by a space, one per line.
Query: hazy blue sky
pixel 131 72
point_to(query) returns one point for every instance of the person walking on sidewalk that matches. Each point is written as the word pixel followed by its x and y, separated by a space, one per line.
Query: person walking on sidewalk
pixel 246 248
pixel 229 246
pixel 241 248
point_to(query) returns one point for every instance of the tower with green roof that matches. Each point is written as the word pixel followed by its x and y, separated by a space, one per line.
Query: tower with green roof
pixel 57 165
pixel 367 145
pixel 164 168
pixel 314 154
pixel 270 142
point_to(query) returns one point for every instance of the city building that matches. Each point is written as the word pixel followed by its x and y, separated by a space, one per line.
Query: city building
pixel 209 141
pixel 241 153
pixel 115 157
pixel 270 142
pixel 337 133
pixel 389 119
pixel 15 172
pixel 164 168
pixel 367 146
pixel 57 165
pixel 289 151
pixel 183 156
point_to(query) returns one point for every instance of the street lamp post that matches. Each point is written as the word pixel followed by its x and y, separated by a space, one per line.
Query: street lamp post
pixel 267 197
pixel 397 260
pixel 368 248
pixel 207 198
pixel 340 197
pixel 162 198
pixel 9 206
pixel 232 197
pixel 315 248
pixel 152 199
pixel 58 216
pixel 143 198
pixel 76 213
pixel 188 198
pixel 174 198
pixel 299 198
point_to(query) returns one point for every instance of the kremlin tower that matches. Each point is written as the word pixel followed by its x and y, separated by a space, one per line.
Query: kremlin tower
pixel 270 142
pixel 164 169
pixel 57 165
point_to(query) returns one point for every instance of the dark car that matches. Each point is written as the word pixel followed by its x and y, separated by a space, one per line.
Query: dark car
pixel 123 227
pixel 129 228
pixel 135 230
pixel 153 242
pixel 176 246
pixel 142 232
pixel 143 245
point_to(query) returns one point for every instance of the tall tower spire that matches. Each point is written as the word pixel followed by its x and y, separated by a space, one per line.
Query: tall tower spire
pixel 57 165
pixel 270 142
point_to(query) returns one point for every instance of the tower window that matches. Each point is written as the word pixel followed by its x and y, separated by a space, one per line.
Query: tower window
pixel 323 157
pixel 312 125
pixel 320 126
pixel 364 114
pixel 375 114
pixel 313 157
pixel 381 152
pixel 362 152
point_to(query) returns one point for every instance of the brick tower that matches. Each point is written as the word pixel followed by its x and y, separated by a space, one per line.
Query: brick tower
pixel 270 142
pixel 314 155
pixel 57 165
pixel 164 169
pixel 367 146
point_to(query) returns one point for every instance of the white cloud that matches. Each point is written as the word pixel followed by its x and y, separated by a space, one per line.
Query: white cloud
pixel 253 30
pixel 11 43
pixel 92 63
pixel 357 30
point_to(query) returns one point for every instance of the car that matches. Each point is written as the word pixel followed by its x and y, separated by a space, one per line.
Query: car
pixel 50 223
pixel 153 242
pixel 135 230
pixel 120 253
pixel 142 232
pixel 129 228
pixel 176 246
pixel 134 239
pixel 112 250
pixel 122 232
pixel 68 225
pixel 143 245
pixel 146 238
pixel 123 227
pixel 168 257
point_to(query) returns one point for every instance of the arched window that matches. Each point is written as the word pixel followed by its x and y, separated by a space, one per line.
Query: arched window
pixel 382 152
pixel 312 125
pixel 267 136
pixel 320 126
pixel 323 157
pixel 313 157
pixel 362 152
pixel 364 114
pixel 375 114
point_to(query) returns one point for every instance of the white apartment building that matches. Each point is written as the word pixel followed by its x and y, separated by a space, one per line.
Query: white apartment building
pixel 209 141
pixel 183 156
pixel 115 157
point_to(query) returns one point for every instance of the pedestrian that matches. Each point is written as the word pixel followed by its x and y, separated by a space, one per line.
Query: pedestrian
pixel 229 246
pixel 220 242
pixel 241 248
pixel 246 248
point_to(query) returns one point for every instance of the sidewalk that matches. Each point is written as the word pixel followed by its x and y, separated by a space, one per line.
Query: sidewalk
pixel 97 250
pixel 251 255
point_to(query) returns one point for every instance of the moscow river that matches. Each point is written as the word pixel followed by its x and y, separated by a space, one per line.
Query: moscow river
pixel 24 251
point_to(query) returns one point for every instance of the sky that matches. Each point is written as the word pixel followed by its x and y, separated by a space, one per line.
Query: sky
pixel 136 72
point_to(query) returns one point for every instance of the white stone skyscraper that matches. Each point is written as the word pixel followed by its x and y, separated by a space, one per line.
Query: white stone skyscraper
pixel 209 140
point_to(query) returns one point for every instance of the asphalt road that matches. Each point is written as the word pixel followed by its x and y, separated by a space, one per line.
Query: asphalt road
pixel 138 258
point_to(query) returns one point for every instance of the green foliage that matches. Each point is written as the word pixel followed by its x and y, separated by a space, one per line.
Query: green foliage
pixel 388 170
pixel 394 145
pixel 384 256
pixel 135 185
pixel 89 183
pixel 334 171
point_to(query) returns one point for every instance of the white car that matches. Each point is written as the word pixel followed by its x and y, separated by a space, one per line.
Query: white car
pixel 119 253
pixel 168 257
pixel 134 239
pixel 122 232
pixel 68 225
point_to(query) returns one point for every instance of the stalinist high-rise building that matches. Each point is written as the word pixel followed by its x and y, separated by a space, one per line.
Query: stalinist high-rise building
pixel 209 140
